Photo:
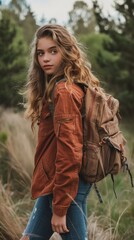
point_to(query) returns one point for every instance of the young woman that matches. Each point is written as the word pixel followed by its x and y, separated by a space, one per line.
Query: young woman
pixel 55 102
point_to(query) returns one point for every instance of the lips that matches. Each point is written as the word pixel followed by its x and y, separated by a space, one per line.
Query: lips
pixel 47 66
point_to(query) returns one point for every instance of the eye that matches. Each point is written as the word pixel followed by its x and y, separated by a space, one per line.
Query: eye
pixel 53 51
pixel 40 53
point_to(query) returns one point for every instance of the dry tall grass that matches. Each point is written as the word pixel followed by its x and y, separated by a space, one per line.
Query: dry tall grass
pixel 15 208
pixel 12 222
pixel 20 143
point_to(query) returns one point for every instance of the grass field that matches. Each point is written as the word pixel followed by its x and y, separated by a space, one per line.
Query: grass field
pixel 111 220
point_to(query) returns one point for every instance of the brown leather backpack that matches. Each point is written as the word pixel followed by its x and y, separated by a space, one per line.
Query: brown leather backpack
pixel 104 144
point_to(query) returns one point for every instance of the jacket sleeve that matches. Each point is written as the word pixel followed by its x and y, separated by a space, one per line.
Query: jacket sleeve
pixel 69 134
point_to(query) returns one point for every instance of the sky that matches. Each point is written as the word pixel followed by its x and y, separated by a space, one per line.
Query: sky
pixel 59 8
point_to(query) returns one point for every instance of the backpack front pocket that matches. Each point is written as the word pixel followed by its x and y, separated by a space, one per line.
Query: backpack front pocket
pixel 90 163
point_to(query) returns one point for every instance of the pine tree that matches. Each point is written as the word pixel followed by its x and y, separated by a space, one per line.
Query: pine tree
pixel 12 61
pixel 122 33
pixel 81 18
pixel 29 26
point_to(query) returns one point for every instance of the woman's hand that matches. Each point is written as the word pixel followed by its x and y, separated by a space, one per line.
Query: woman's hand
pixel 59 224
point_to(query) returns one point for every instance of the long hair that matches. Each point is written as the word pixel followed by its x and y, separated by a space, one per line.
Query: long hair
pixel 75 68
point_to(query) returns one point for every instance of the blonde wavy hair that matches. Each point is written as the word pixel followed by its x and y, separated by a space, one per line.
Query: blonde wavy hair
pixel 75 68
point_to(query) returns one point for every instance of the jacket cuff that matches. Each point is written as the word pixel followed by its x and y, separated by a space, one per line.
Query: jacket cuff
pixel 60 210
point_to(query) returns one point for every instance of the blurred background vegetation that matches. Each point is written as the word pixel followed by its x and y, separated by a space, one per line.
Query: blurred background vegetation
pixel 109 43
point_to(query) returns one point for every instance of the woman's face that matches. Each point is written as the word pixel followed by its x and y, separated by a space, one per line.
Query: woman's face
pixel 49 55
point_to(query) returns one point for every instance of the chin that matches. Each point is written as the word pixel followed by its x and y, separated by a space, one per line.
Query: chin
pixel 49 72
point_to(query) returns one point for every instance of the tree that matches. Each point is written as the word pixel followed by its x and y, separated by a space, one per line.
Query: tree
pixel 81 18
pixel 19 7
pixel 29 25
pixel 121 32
pixel 12 62
pixel 21 12
pixel 96 52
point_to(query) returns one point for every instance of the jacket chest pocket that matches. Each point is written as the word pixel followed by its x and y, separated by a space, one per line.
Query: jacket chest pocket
pixel 64 125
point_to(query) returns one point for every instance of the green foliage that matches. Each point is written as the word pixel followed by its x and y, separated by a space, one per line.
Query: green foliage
pixel 96 51
pixel 12 63
pixel 3 137
pixel 21 12
pixel 29 26
pixel 120 73
pixel 18 7
pixel 17 27
pixel 81 18
pixel 3 157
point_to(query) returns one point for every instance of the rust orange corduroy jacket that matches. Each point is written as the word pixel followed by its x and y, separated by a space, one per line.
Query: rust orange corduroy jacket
pixel 58 154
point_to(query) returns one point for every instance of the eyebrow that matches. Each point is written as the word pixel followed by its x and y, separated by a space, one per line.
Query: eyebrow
pixel 38 49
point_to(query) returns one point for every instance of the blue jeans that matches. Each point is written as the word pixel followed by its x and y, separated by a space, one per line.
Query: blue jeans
pixel 39 224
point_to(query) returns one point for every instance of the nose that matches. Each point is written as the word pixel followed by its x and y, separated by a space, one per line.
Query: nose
pixel 46 57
